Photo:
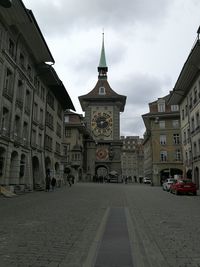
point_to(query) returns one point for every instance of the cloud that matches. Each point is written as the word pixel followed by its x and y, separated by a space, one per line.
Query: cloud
pixel 62 16
pixel 141 88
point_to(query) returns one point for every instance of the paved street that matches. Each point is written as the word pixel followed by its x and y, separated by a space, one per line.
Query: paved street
pixel 64 228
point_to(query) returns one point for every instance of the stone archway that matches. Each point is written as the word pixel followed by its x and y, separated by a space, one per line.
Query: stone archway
pixel 189 174
pixel 169 172
pixel 22 166
pixel 48 166
pixel 36 167
pixel 101 173
pixel 14 168
pixel 2 164
pixel 196 176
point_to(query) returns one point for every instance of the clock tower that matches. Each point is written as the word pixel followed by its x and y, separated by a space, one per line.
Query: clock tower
pixel 102 107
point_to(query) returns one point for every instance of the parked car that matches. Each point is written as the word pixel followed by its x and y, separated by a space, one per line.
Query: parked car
pixel 167 184
pixel 183 186
pixel 146 180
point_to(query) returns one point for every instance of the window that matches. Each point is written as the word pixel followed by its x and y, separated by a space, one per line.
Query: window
pixel 57 147
pixel 65 151
pixel 35 112
pixel 8 83
pixel 1 165
pixel 163 139
pixel 174 108
pixel 17 126
pixel 19 90
pixel 176 139
pixel 40 140
pixel 42 93
pixel 50 100
pixel 25 131
pixel 186 110
pixel 199 147
pixel 188 135
pixel 11 48
pixel 161 105
pixel 195 149
pixel 197 120
pixel 175 123
pixel 66 118
pixel 48 142
pixel 190 101
pixel 184 136
pixel 183 114
pixel 21 61
pixel 67 132
pixel 29 73
pixel 5 121
pixel 162 124
pixel 33 139
pixel 28 102
pixel 58 130
pixel 192 125
pixel 178 155
pixel 102 91
pixel 49 120
pixel 59 111
pixel 163 156
pixel 41 116
pixel 195 95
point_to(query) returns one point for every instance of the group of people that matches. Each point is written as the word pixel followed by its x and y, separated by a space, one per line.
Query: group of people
pixel 50 183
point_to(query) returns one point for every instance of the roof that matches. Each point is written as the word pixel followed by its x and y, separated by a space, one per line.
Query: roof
pixel 102 62
pixel 25 23
pixel 187 75
pixel 51 79
pixel 109 96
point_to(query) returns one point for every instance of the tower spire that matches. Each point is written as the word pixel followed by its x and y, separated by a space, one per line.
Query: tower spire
pixel 102 68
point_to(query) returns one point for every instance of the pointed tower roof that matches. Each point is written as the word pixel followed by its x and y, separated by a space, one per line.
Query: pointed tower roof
pixel 102 68
pixel 102 92
pixel 102 62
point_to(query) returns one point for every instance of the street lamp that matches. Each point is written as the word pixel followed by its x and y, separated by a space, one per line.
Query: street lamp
pixel 6 3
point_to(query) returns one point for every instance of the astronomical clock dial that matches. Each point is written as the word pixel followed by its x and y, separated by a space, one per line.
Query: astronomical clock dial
pixel 102 153
pixel 102 123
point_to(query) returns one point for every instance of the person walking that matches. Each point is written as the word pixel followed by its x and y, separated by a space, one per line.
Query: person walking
pixel 53 183
pixel 48 182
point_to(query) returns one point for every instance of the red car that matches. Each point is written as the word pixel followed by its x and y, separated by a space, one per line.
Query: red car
pixel 183 186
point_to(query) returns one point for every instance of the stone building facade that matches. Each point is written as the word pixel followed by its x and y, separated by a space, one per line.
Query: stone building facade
pixel 76 136
pixel 32 102
pixel 162 141
pixel 186 93
pixel 132 157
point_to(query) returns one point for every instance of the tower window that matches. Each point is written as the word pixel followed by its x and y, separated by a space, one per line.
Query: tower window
pixel 102 91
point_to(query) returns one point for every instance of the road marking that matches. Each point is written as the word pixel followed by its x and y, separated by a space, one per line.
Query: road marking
pixel 91 258
pixel 115 249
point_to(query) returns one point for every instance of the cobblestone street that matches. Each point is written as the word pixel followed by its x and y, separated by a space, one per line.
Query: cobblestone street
pixel 64 228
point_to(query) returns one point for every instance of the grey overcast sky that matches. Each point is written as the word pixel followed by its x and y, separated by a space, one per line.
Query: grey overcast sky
pixel 146 43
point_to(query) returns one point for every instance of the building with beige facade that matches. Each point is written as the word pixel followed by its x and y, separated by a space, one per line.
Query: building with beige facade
pixel 132 157
pixel 186 93
pixel 75 142
pixel 162 141
pixel 32 103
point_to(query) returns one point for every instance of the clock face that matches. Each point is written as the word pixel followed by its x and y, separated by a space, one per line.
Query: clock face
pixel 102 153
pixel 102 123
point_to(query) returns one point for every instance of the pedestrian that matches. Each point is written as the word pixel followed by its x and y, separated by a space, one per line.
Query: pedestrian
pixel 53 183
pixel 69 179
pixel 48 182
